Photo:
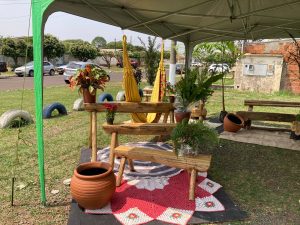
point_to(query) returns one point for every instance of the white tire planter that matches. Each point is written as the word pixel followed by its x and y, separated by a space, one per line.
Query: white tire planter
pixel 120 96
pixel 9 116
pixel 78 105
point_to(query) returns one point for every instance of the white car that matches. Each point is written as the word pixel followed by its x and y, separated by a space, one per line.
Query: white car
pixel 48 69
pixel 72 67
pixel 218 68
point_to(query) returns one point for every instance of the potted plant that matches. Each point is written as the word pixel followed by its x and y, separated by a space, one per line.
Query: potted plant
pixel 89 79
pixel 194 86
pixel 295 129
pixel 110 112
pixel 193 138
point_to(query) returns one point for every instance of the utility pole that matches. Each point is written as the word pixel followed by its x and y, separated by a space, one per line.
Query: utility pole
pixel 172 68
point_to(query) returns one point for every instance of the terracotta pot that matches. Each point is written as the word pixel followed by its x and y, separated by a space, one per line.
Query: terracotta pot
pixel 93 184
pixel 180 115
pixel 87 96
pixel 222 116
pixel 110 120
pixel 172 98
pixel 233 122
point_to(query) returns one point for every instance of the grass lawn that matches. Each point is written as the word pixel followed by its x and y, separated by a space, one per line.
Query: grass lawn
pixel 263 181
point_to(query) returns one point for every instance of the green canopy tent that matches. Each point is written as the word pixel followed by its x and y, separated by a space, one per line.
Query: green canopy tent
pixel 190 22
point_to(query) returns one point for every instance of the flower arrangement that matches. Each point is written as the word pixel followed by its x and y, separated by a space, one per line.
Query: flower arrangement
pixel 92 78
pixel 170 88
pixel 110 112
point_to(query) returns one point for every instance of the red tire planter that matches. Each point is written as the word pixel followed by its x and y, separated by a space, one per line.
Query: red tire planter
pixel 233 122
pixel 93 184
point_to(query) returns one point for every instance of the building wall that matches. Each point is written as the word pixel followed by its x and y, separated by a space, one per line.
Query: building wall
pixel 259 73
pixel 290 78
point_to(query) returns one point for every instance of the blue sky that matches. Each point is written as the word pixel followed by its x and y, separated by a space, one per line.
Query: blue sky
pixel 14 20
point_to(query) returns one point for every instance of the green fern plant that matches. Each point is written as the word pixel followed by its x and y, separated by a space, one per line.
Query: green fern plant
pixel 193 138
pixel 194 86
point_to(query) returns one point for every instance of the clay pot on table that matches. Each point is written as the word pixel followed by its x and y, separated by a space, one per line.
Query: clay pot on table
pixel 180 115
pixel 93 184
pixel 87 96
pixel 233 122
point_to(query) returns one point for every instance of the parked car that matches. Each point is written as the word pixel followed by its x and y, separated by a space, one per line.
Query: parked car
pixel 72 67
pixel 133 62
pixel 60 69
pixel 218 68
pixel 48 69
pixel 3 67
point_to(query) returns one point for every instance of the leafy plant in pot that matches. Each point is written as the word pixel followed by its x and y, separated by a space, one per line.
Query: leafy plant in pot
pixel 193 138
pixel 295 129
pixel 89 79
pixel 194 86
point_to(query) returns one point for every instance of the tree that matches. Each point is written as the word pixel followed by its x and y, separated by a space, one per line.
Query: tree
pixel 14 48
pixel 107 57
pixel 83 51
pixel 99 42
pixel 151 58
pixel 68 44
pixel 53 47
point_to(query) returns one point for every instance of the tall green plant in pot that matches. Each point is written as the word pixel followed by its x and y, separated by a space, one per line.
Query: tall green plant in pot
pixel 193 138
pixel 194 86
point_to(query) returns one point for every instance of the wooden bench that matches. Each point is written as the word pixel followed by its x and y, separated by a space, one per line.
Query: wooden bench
pixel 195 164
pixel 249 115
pixel 167 109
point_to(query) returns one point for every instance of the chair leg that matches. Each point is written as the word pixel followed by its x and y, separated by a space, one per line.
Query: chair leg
pixel 192 185
pixel 121 170
pixel 113 145
pixel 131 166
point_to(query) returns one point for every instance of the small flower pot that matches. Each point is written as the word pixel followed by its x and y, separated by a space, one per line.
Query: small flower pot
pixel 171 98
pixel 110 120
pixel 233 122
pixel 93 184
pixel 87 96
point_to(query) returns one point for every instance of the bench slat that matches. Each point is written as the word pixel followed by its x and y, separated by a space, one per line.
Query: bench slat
pixel 271 103
pixel 140 128
pixel 129 107
pixel 267 116
pixel 199 162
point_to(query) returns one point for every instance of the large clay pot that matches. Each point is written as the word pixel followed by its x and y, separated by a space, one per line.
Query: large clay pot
pixel 233 122
pixel 93 184
pixel 180 115
pixel 87 96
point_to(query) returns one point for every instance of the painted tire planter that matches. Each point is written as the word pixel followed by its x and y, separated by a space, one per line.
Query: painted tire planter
pixel 233 122
pixel 93 184
pixel 105 96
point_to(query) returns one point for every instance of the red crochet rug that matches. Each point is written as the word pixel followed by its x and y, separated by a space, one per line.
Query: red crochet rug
pixel 158 192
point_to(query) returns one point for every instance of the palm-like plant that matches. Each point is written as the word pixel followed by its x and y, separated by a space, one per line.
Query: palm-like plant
pixel 151 58
pixel 195 86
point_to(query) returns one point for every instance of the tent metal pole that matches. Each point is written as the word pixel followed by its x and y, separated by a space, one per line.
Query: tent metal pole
pixel 38 10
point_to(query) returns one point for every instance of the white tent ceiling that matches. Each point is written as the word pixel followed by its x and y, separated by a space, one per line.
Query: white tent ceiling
pixel 193 20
